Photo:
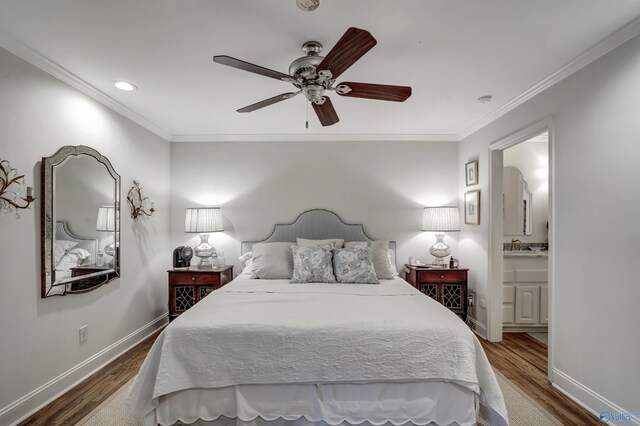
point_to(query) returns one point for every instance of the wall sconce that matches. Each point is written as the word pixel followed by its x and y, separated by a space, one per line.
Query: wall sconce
pixel 11 189
pixel 139 204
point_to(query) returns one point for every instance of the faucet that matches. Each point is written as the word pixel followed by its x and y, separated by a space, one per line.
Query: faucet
pixel 515 245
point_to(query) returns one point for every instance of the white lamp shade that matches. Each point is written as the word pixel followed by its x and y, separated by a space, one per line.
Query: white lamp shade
pixel 441 219
pixel 203 220
pixel 106 221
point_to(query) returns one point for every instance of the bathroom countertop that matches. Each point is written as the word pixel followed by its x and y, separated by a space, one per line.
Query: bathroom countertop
pixel 526 253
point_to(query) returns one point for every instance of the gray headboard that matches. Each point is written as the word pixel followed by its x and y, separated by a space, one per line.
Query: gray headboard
pixel 316 224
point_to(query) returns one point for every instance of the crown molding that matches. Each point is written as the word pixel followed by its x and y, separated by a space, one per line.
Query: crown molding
pixel 613 41
pixel 38 60
pixel 314 137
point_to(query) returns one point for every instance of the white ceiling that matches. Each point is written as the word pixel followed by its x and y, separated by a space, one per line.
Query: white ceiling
pixel 449 51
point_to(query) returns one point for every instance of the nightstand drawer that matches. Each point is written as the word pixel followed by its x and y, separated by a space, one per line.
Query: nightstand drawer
pixel 442 276
pixel 194 278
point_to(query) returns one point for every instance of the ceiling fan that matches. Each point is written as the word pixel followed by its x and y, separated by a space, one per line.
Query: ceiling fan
pixel 313 75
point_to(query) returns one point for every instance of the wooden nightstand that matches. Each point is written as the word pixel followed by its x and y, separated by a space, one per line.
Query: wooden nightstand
pixel 447 286
pixel 187 286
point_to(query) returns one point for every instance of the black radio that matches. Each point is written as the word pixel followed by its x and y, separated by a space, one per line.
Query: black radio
pixel 182 257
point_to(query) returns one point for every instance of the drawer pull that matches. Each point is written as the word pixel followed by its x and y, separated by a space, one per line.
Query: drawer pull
pixel 441 275
pixel 193 278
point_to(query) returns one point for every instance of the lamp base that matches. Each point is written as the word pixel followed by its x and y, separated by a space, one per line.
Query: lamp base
pixel 440 251
pixel 205 252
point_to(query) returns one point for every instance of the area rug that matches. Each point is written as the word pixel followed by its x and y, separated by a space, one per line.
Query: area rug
pixel 521 409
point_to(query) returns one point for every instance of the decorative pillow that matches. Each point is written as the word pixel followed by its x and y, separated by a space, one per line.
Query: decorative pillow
pixel 60 247
pixel 312 264
pixel 354 265
pixel 72 258
pixel 248 266
pixel 271 261
pixel 337 242
pixel 385 270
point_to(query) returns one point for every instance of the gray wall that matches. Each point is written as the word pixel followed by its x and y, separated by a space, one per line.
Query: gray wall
pixel 594 178
pixel 39 337
pixel 383 185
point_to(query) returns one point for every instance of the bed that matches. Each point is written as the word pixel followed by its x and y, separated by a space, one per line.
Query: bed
pixel 267 352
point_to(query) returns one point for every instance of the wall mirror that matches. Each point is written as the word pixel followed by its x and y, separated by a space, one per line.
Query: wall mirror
pixel 517 203
pixel 80 221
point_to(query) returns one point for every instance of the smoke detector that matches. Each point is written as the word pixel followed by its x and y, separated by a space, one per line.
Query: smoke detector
pixel 308 5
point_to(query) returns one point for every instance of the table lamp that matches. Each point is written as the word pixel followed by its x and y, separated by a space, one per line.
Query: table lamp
pixel 203 221
pixel 440 220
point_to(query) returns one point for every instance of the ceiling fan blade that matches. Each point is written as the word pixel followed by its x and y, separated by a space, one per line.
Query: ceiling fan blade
pixel 351 47
pixel 383 92
pixel 326 113
pixel 247 66
pixel 268 102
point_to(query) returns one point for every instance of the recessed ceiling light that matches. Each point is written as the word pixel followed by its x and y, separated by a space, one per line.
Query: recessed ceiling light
pixel 485 99
pixel 123 85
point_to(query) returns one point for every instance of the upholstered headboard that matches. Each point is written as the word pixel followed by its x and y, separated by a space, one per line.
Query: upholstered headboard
pixel 316 224
pixel 63 233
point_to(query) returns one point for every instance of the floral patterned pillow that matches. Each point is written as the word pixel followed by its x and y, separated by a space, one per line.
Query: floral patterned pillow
pixel 312 264
pixel 354 265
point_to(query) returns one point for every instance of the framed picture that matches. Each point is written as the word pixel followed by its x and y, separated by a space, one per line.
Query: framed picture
pixel 471 172
pixel 472 207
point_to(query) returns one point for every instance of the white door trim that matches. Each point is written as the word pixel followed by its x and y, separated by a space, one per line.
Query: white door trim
pixel 495 261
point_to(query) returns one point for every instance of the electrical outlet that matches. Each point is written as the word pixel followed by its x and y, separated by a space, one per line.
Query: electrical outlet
pixel 472 299
pixel 483 303
pixel 84 334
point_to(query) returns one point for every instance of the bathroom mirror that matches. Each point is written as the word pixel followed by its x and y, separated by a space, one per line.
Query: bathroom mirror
pixel 80 246
pixel 517 203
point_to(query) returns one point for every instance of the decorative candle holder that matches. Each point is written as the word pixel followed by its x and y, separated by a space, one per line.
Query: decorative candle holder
pixel 11 190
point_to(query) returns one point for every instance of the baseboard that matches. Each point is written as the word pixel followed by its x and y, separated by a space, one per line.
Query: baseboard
pixel 38 398
pixel 589 399
pixel 508 329
pixel 477 327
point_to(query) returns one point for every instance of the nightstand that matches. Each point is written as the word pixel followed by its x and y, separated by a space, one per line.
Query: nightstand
pixel 187 286
pixel 447 286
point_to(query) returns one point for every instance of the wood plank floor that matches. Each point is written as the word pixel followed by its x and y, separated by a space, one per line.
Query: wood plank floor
pixel 84 398
pixel 523 360
pixel 519 357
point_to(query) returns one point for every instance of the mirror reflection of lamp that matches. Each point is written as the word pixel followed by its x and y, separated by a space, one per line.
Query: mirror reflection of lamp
pixel 203 221
pixel 106 222
pixel 440 220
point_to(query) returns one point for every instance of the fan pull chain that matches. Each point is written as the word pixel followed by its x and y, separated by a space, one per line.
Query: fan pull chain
pixel 307 124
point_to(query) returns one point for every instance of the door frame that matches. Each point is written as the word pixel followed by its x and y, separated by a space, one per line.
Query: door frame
pixel 495 261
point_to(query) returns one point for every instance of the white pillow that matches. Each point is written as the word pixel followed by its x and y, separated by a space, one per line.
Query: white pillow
pixel 72 258
pixel 60 247
pixel 337 242
pixel 271 261
pixel 381 258
pixel 244 259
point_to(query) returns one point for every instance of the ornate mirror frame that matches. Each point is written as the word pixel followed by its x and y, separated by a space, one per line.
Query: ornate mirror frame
pixel 49 228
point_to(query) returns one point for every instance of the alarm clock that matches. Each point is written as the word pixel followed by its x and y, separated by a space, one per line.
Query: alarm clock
pixel 182 257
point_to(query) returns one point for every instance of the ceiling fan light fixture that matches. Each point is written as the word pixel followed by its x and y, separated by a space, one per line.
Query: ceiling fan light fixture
pixel 124 85
pixel 308 5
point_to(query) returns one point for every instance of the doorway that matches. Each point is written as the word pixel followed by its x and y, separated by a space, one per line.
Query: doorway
pixel 533 290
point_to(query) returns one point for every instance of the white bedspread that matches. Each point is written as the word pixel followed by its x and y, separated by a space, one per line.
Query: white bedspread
pixel 273 332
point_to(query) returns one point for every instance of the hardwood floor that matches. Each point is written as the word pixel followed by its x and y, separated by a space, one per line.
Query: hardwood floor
pixel 519 357
pixel 523 360
pixel 84 398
